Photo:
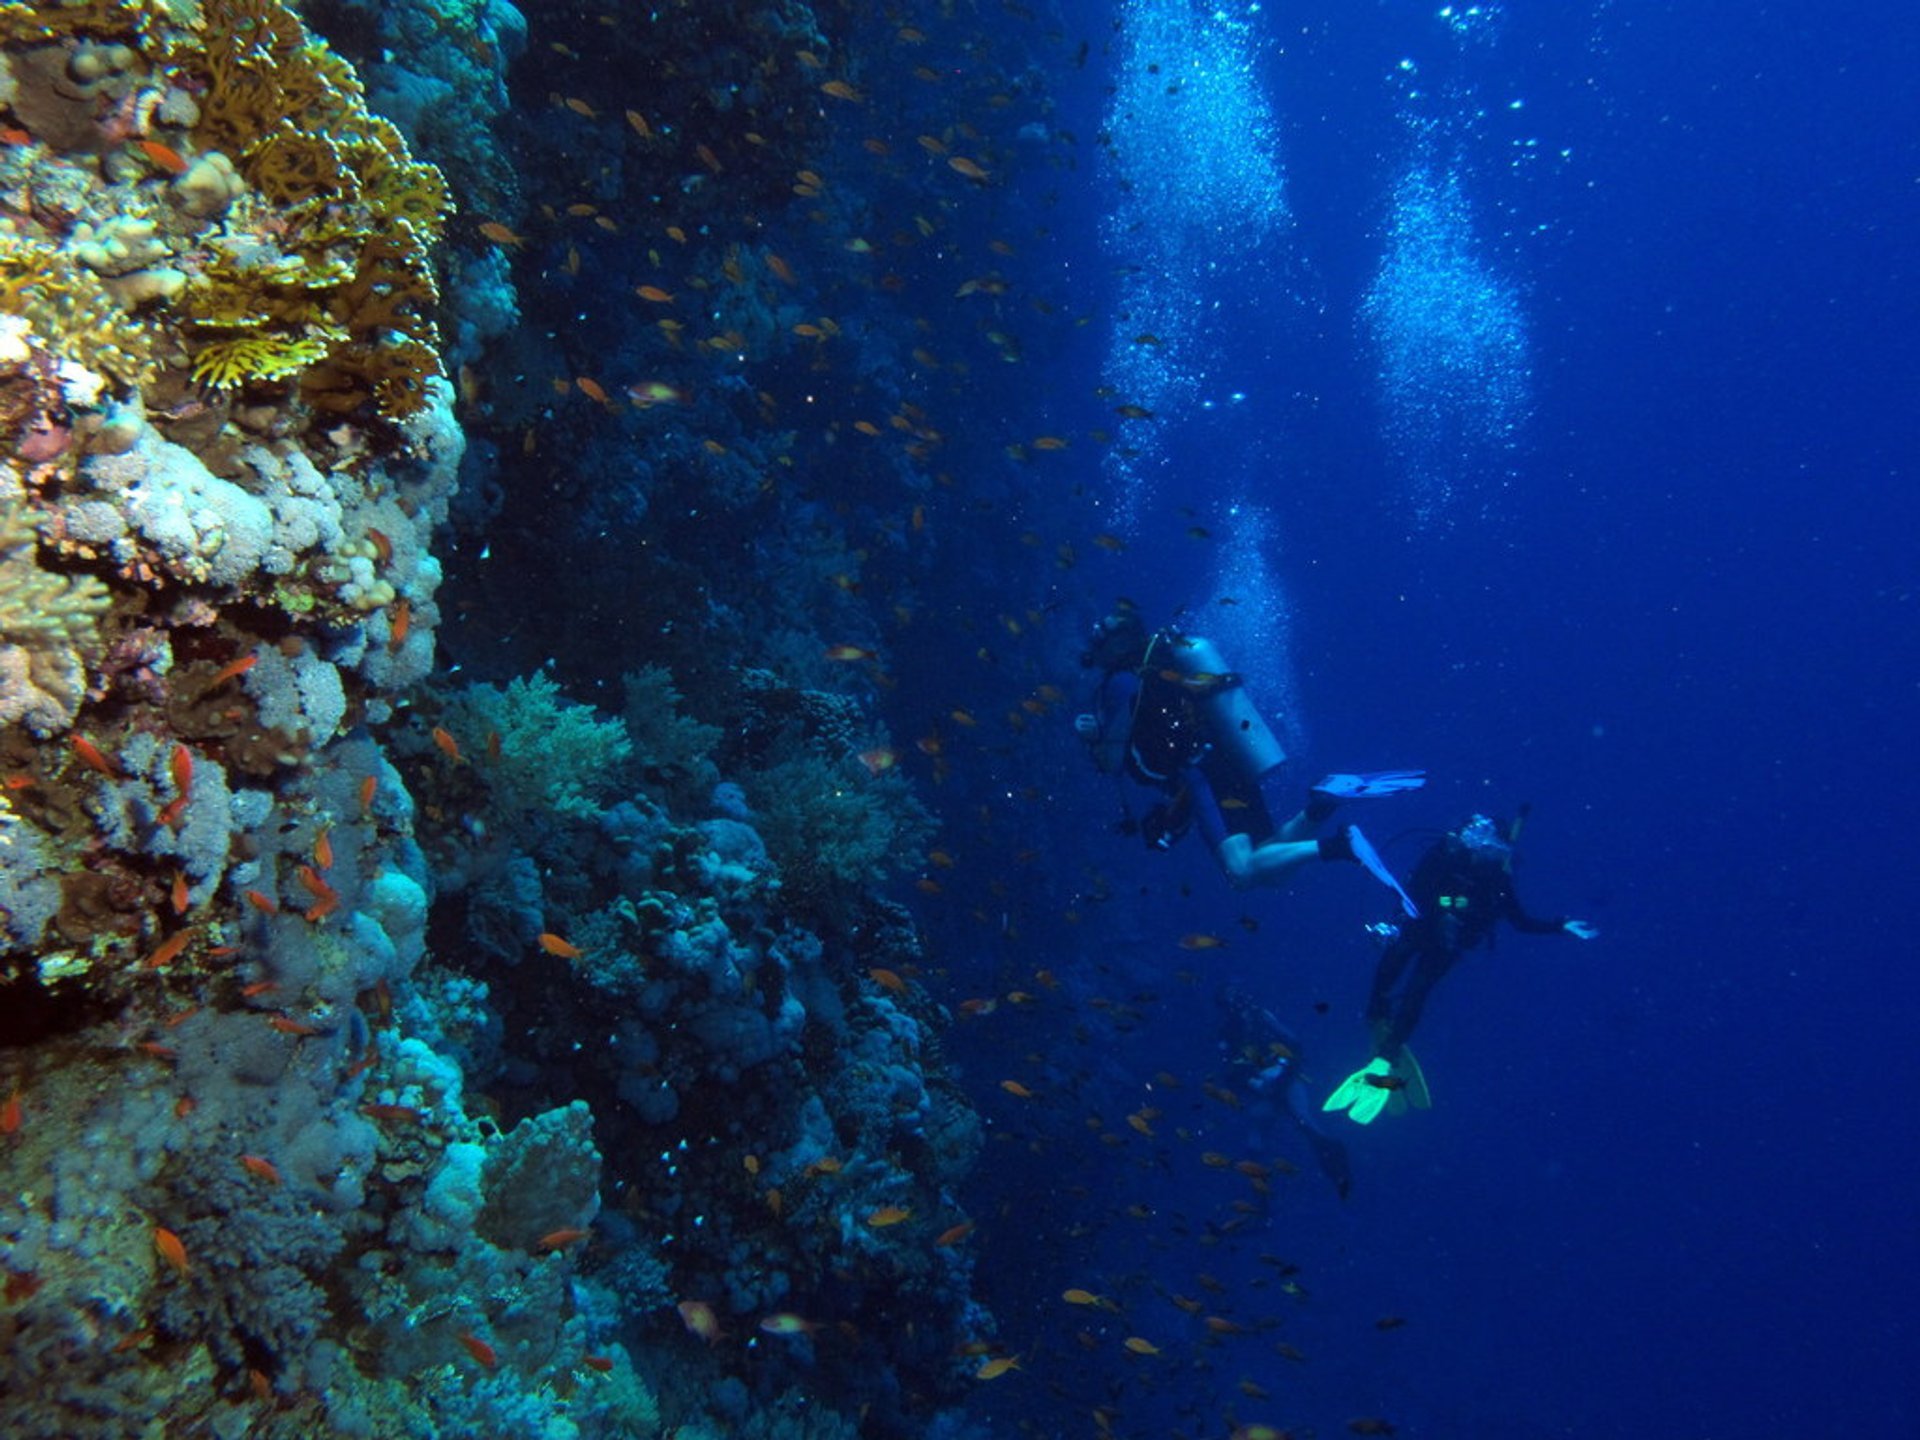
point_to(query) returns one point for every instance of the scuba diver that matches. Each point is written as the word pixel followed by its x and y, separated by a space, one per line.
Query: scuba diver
pixel 1170 715
pixel 1267 1053
pixel 1463 886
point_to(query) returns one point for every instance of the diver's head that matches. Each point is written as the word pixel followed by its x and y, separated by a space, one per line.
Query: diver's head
pixel 1485 839
pixel 1119 642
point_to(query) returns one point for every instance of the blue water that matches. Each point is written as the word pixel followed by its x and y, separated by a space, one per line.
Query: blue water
pixel 1535 387
pixel 1567 397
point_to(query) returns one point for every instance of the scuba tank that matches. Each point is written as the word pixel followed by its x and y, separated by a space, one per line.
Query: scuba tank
pixel 1242 738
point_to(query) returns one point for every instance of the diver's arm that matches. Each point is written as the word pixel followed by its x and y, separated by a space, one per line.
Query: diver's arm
pixel 1526 924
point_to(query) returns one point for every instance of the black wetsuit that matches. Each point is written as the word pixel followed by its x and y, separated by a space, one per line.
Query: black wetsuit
pixel 1463 893
pixel 1151 729
pixel 1270 1056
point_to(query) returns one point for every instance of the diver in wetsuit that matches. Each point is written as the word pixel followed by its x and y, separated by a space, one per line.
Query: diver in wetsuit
pixel 1171 716
pixel 1270 1055
pixel 1463 886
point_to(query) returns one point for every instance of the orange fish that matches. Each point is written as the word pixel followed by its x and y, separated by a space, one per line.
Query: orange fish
pixel 233 671
pixel 654 295
pixel 708 158
pixel 785 1322
pixel 94 758
pixel 840 90
pixel 258 988
pixel 169 949
pixel 698 1317
pixel 1141 1347
pixel 602 1363
pixel 260 1168
pixel 170 1248
pixel 888 1215
pixel 880 760
pixel 782 271
pixel 995 1368
pixel 1015 1088
pixel 265 904
pixel 953 1235
pixel 479 1349
pixel 179 896
pixel 972 169
pixel 323 850
pixel 1077 1296
pixel 382 546
pixel 1049 442
pixel 262 1387
pixel 501 235
pixel 326 899
pixel 559 1239
pixel 164 156
pixel 449 746
pixel 887 979
pixel 585 112
pixel 399 624
pixel 592 389
pixel 639 124
pixel 184 1106
pixel 1201 942
pixel 287 1025
pixel 848 653
pixel 555 945
pixel 156 1050
pixel 10 1114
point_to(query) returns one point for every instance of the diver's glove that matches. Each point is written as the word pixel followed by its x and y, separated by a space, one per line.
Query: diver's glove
pixel 1579 929
pixel 1267 1076
pixel 1369 785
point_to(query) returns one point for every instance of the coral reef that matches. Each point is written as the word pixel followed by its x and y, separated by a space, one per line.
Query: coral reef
pixel 386 1053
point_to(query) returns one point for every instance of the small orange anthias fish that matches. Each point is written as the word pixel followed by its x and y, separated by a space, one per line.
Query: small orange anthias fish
pixel 559 1239
pixel 449 746
pixel 785 1322
pixel 399 626
pixel 479 1349
pixel 180 767
pixel 170 1249
pixel 557 945
pixel 260 1168
pixel 165 157
pixel 699 1319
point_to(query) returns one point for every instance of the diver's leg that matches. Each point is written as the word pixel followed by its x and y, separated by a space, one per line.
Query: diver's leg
pixel 1270 864
pixel 1433 966
pixel 1328 1152
pixel 1386 975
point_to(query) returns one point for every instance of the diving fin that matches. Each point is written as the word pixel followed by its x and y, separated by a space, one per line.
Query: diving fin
pixel 1408 1069
pixel 1371 862
pixel 1364 1093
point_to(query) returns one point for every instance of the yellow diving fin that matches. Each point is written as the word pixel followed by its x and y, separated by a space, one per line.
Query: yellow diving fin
pixel 1364 1093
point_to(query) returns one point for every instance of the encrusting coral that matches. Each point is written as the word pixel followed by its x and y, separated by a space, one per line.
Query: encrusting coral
pixel 48 623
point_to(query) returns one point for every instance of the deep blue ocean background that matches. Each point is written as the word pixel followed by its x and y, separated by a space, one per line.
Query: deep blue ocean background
pixel 1668 1186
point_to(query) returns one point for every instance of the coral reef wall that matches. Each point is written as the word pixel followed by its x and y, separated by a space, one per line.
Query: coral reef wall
pixel 382 1054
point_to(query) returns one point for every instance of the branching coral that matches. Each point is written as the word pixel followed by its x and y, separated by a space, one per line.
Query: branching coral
pixel 349 306
pixel 72 310
pixel 48 623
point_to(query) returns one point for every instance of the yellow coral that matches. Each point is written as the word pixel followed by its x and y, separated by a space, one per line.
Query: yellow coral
pixel 239 359
pixel 73 312
pixel 361 219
